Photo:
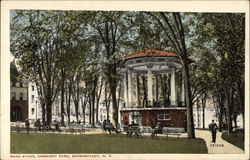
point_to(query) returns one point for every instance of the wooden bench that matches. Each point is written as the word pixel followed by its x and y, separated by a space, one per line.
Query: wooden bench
pixel 177 134
pixel 173 132
pixel 132 129
pixel 170 132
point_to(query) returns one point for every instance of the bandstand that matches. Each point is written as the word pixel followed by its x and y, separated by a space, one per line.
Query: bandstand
pixel 153 89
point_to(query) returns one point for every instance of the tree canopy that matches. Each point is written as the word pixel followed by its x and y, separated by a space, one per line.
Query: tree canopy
pixel 70 54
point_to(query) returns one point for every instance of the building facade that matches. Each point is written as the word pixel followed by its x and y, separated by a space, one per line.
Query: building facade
pixel 19 102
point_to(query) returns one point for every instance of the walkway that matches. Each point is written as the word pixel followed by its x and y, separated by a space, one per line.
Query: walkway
pixel 221 146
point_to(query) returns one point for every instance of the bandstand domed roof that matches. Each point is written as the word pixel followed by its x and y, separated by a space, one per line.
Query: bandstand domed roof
pixel 150 52
pixel 156 60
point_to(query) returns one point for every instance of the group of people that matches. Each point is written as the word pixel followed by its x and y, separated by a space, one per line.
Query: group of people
pixel 108 126
pixel 38 125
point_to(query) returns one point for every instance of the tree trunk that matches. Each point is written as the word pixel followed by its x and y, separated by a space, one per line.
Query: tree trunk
pixel 229 99
pixel 43 113
pixel 235 121
pixel 113 84
pixel 90 108
pixel 220 105
pixel 115 108
pixel 107 100
pixel 49 112
pixel 198 114
pixel 84 103
pixel 68 105
pixel 97 101
pixel 93 110
pixel 77 97
pixel 93 94
pixel 62 98
pixel 203 103
pixel 220 119
pixel 76 109
pixel 190 120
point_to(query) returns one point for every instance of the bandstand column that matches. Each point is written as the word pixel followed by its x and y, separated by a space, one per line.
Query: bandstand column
pixel 137 89
pixel 182 90
pixel 125 89
pixel 129 88
pixel 173 91
pixel 150 87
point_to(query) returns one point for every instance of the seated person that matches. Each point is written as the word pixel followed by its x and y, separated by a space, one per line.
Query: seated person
pixel 118 129
pixel 104 125
pixel 157 130
pixel 38 125
pixel 27 124
pixel 109 126
pixel 57 127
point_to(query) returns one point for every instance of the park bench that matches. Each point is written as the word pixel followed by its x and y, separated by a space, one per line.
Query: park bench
pixel 18 128
pixel 132 129
pixel 173 132
pixel 76 128
pixel 168 131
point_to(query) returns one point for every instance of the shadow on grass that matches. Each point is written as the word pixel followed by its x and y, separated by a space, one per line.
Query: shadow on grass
pixel 105 143
pixel 236 139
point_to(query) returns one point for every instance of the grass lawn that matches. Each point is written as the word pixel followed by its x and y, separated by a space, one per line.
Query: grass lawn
pixel 44 143
pixel 235 139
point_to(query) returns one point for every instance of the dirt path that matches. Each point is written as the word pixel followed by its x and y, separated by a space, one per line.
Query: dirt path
pixel 221 146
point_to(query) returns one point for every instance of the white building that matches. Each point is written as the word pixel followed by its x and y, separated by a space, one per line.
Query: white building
pixel 35 109
pixel 210 114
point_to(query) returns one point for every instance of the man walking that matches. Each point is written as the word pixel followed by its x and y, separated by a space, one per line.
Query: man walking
pixel 213 128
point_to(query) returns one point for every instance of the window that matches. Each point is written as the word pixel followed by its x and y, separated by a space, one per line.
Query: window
pixel 13 95
pixel 33 88
pixel 164 117
pixel 21 85
pixel 21 96
pixel 32 98
pixel 33 111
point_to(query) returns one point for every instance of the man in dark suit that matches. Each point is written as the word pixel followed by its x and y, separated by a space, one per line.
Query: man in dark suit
pixel 213 128
pixel 157 130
